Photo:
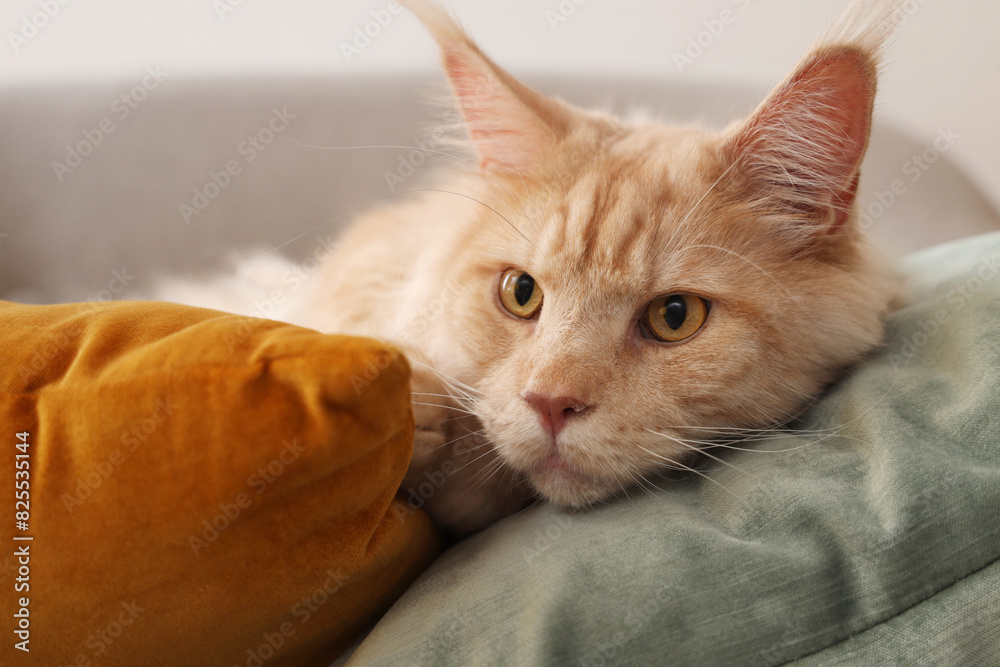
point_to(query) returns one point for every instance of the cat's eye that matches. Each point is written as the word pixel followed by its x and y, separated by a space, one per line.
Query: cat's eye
pixel 671 319
pixel 519 294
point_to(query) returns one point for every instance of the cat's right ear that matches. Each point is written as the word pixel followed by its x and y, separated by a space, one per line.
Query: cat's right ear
pixel 512 127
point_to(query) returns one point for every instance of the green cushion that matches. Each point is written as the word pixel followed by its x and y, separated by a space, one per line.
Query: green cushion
pixel 871 540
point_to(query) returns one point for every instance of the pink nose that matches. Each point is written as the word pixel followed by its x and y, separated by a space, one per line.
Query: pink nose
pixel 553 412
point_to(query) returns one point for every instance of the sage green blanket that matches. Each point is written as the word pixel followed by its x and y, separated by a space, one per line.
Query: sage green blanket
pixel 871 536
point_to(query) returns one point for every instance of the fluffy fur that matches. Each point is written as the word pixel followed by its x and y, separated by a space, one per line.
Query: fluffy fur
pixel 758 219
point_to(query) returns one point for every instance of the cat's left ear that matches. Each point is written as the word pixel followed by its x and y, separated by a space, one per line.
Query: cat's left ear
pixel 801 151
pixel 512 126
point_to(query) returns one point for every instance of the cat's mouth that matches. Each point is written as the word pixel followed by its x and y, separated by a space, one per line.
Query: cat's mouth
pixel 560 465
pixel 563 483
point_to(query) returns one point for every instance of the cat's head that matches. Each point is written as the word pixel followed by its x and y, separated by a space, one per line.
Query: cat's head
pixel 628 291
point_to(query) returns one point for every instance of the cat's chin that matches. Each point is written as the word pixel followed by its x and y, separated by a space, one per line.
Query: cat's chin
pixel 561 483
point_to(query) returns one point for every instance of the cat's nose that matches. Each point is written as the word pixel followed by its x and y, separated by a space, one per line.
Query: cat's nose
pixel 554 411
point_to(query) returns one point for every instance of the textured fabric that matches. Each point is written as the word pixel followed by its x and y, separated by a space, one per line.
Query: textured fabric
pixel 958 626
pixel 205 489
pixel 872 531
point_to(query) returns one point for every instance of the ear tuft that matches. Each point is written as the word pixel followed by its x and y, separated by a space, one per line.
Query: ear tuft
pixel 802 148
pixel 438 20
pixel 511 126
pixel 867 25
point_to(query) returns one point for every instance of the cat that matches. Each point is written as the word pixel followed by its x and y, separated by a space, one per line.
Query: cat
pixel 591 297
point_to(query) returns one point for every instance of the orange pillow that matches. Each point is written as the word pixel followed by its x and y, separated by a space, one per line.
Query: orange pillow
pixel 201 488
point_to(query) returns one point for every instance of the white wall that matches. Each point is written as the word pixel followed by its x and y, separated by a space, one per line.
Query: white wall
pixel 946 69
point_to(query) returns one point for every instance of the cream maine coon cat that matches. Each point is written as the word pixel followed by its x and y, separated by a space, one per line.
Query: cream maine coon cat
pixel 594 294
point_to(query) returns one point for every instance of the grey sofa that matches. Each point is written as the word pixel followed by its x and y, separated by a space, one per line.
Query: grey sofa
pixel 79 203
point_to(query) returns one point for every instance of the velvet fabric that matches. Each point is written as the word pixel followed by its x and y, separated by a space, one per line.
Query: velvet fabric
pixel 204 489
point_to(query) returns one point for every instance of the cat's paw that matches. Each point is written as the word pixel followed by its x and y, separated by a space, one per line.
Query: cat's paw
pixel 454 474
pixel 471 487
pixel 433 408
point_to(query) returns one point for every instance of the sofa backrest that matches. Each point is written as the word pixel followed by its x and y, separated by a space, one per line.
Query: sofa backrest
pixel 170 176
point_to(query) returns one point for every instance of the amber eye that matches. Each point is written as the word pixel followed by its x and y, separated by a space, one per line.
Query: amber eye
pixel 673 318
pixel 519 294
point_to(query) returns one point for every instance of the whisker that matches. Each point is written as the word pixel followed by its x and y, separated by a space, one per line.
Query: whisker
pixel 446 407
pixel 421 149
pixel 459 194
pixel 640 482
pixel 452 156
pixel 624 490
pixel 698 203
pixel 697 449
pixel 428 393
pixel 793 298
pixel 447 378
pixel 308 231
pixel 688 468
pixel 493 468
pixel 452 419
pixel 535 503
pixel 473 461
pixel 454 440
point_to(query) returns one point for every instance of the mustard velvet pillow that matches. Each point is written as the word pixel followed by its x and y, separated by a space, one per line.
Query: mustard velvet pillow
pixel 200 488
